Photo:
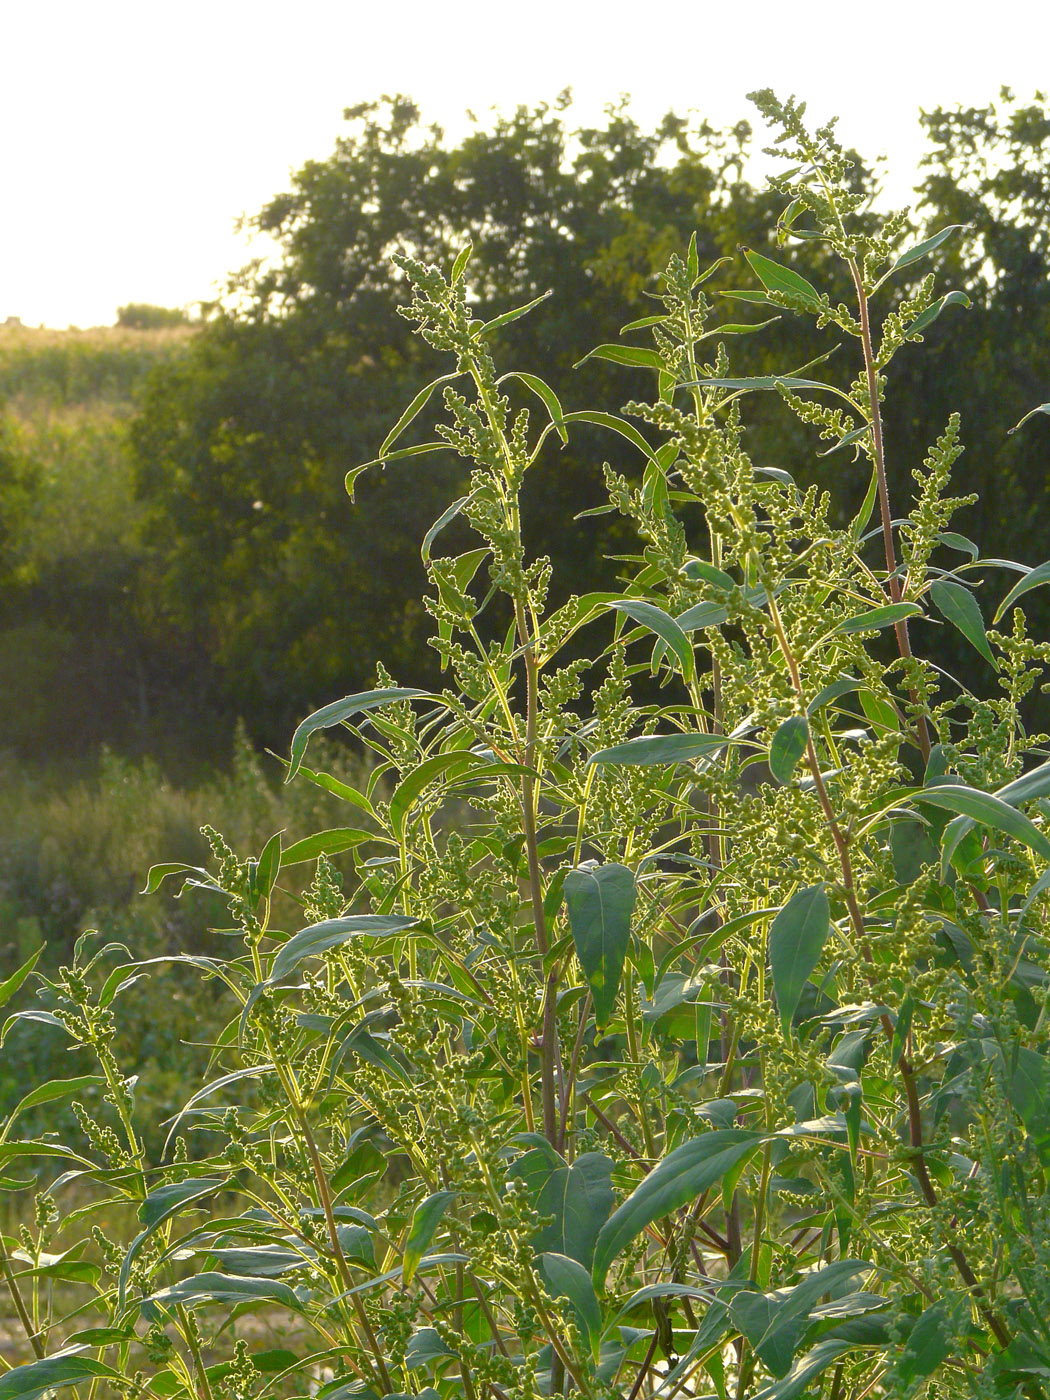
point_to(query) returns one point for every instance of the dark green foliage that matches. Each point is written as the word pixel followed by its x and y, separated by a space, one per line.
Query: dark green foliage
pixel 719 1070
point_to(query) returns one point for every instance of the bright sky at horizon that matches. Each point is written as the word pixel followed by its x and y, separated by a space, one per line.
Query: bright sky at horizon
pixel 133 135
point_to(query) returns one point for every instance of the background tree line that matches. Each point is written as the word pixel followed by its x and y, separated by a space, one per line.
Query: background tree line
pixel 177 547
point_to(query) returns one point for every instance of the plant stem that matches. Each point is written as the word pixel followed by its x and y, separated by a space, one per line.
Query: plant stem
pixel 32 1334
pixel 892 580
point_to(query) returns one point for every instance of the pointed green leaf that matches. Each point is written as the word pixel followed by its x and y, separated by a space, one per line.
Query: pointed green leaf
pixel 579 1198
pixel 1033 579
pixel 776 278
pixel 326 843
pixel 686 1173
pixel 310 942
pixel 600 901
pixel 927 317
pixel 958 606
pixel 53 1373
pixel 875 618
pixel 546 395
pixel 413 411
pixel 926 246
pixel 11 984
pixel 982 807
pixel 340 710
pixel 660 748
pixel 567 1278
pixel 623 355
pixel 928 1344
pixel 665 627
pixel 796 940
pixel 49 1093
pixel 459 266
pixel 788 746
pixel 425 1219
pixel 508 316
pixel 227 1289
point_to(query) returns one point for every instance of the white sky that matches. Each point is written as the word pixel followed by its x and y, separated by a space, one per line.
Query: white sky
pixel 132 135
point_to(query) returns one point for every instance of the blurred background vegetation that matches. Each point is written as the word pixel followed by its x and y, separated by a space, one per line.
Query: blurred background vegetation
pixel 182 576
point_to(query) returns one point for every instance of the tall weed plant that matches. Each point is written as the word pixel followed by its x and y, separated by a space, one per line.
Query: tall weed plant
pixel 679 1027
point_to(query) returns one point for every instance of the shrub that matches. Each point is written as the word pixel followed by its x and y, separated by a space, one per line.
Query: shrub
pixel 682 1026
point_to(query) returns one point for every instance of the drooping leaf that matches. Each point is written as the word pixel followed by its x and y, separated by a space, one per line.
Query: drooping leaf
pixel 413 411
pixel 985 808
pixel 796 940
pixel 546 395
pixel 787 747
pixel 161 1205
pixel 1033 579
pixel 600 900
pixel 425 1220
pixel 507 317
pixel 665 627
pixel 567 1278
pixel 694 1167
pixel 340 710
pixel 652 749
pixel 1040 408
pixel 958 606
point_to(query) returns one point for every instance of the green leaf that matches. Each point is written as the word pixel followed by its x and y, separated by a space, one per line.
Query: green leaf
pixel 166 1201
pixel 927 317
pixel 52 1373
pixel 875 618
pixel 508 316
pixel 226 1289
pixel 922 249
pixel 614 424
pixel 738 328
pixel 425 1219
pixel 315 939
pixel 760 381
pixel 269 867
pixel 413 411
pixel 928 1344
pixel 600 901
pixel 691 1169
pixel 439 765
pixel 623 355
pixel 796 1382
pixel 1033 579
pixel 659 749
pixel 459 266
pixel 567 1278
pixel 11 984
pixel 776 278
pixel 579 1198
pixel 326 843
pixel 546 394
pixel 787 747
pixel 665 627
pixel 981 807
pixel 958 606
pixel 796 940
pixel 340 710
pixel 49 1093
pixel 1041 408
